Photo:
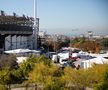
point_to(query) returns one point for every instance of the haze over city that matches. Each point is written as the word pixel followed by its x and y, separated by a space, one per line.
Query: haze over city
pixel 64 16
pixel 54 45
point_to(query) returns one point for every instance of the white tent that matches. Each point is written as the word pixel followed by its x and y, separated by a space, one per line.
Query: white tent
pixel 90 62
pixel 23 54
pixel 17 51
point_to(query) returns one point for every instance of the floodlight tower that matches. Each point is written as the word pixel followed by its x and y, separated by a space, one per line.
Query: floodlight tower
pixel 35 36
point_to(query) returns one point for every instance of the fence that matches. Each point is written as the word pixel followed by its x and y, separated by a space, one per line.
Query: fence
pixel 25 87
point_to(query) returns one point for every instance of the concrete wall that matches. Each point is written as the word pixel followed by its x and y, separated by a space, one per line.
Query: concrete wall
pixel 8 42
pixel 30 42
pixel 16 42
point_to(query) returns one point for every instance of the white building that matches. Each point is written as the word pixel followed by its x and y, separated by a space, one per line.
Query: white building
pixel 42 34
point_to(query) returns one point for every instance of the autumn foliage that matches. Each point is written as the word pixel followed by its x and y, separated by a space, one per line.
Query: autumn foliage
pixel 87 45
pixel 41 71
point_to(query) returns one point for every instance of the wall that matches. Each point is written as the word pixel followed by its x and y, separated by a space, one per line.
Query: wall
pixel 16 42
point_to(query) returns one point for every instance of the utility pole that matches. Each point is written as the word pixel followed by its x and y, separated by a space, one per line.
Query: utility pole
pixel 70 41
pixel 71 36
pixel 35 36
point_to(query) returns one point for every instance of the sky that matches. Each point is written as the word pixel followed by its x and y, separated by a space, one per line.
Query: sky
pixel 70 17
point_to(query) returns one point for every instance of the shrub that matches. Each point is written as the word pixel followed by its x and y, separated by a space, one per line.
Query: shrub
pixel 3 87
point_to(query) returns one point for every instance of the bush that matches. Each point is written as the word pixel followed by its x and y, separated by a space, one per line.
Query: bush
pixel 103 85
pixel 5 78
pixel 85 77
pixel 47 75
pixel 3 87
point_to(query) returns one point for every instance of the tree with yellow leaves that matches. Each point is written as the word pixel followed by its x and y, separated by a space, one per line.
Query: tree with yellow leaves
pixel 46 75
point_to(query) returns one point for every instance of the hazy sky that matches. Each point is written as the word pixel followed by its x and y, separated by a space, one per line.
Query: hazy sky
pixel 64 16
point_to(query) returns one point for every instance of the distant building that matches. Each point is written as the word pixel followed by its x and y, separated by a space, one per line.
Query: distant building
pixel 82 35
pixel 58 37
pixel 97 37
pixel 106 36
pixel 90 34
pixel 41 38
pixel 42 34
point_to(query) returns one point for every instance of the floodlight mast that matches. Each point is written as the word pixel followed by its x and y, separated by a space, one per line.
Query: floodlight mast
pixel 35 25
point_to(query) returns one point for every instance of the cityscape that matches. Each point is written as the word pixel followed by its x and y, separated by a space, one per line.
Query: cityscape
pixel 54 45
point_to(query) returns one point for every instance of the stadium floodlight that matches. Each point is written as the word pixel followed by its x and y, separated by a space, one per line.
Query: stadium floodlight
pixel 35 25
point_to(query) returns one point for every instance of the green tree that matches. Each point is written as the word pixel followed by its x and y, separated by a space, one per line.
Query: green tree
pixel 104 84
pixel 105 43
pixel 5 78
pixel 26 67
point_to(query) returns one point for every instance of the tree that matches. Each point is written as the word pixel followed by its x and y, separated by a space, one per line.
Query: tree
pixel 26 67
pixel 8 61
pixel 104 43
pixel 8 64
pixel 87 45
pixel 46 75
pixel 83 78
pixel 103 85
pixel 74 78
pixel 5 78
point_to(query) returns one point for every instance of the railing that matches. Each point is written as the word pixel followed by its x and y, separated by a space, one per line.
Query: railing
pixel 25 87
pixel 25 21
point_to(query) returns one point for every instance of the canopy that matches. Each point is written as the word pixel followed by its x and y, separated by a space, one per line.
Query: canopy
pixel 20 51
